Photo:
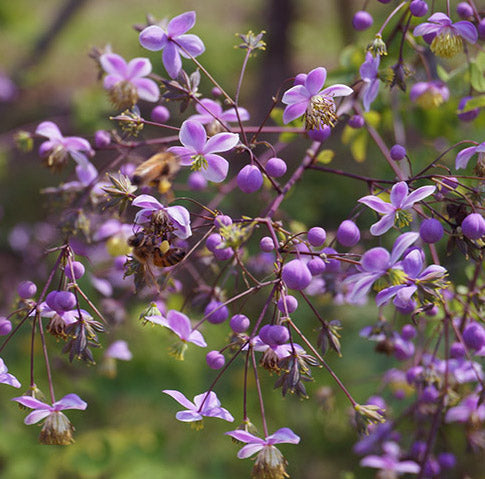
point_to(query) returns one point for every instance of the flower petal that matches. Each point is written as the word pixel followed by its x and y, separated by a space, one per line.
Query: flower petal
pixel 383 225
pixel 425 29
pixel 70 401
pixel 181 217
pixel 138 67
pixel 197 338
pixel 402 243
pixel 221 142
pixel 315 80
pixel 231 116
pixel 49 130
pixel 219 412
pixel 337 90
pixel 179 324
pixel 404 295
pixel 147 89
pixel 398 193
pixel 109 81
pixel 387 294
pixel 466 30
pixel 249 450
pixel 188 416
pixel 418 195
pixel 148 202
pixel 285 435
pixel 36 416
pixel 245 436
pixel 192 46
pixel 10 379
pixel 370 94
pixel 207 400
pixel 207 106
pixel 292 112
pixel 217 168
pixel 185 154
pixel 413 263
pixel 180 398
pixel 193 134
pixel 181 24
pixel 296 94
pixel 153 38
pixel 114 64
pixel 32 403
pixel 171 60
pixel 464 156
pixel 377 204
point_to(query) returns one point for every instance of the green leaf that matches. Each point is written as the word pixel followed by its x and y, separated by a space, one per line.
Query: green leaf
pixel 477 70
pixel 325 156
pixel 358 146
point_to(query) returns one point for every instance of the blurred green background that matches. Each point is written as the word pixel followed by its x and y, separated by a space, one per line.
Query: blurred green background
pixel 129 430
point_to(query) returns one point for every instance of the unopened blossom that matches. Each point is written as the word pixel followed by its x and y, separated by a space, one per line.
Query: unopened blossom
pixel 269 462
pixel 127 82
pixel 465 155
pixel 6 377
pixel 178 215
pixel 199 153
pixel 210 113
pixel 430 94
pixel 317 105
pixel 448 36
pixel 57 148
pixel 56 429
pixel 389 461
pixel 174 41
pixel 369 73
pixel 204 405
pixel 395 212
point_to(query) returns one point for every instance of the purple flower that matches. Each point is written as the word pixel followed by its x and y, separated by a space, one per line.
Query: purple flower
pixel 204 405
pixel 310 100
pixel 58 147
pixel 429 94
pixel 208 110
pixel 126 82
pixel 448 36
pixel 255 444
pixel 389 461
pixel 374 264
pixel 368 73
pixel 395 211
pixel 6 377
pixel 464 156
pixel 42 410
pixel 199 153
pixel 468 410
pixel 178 215
pixel 173 41
pixel 119 350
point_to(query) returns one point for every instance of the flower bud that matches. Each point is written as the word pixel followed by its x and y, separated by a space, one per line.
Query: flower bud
pixel 223 254
pixel 474 336
pixel 431 230
pixel 275 167
pixel 5 326
pixel 287 304
pixel 215 360
pixel 457 351
pixel 213 241
pixel 102 139
pixel 464 10
pixel 249 179
pixel 397 152
pixel 222 220
pixel 75 267
pixel 408 332
pixel 430 394
pixel 348 234
pixel 362 20
pixel 239 323
pixel 215 313
pixel 266 244
pixel 65 301
pixel 316 236
pixel 356 121
pixel 316 266
pixel 481 28
pixel 469 115
pixel 473 226
pixel 418 8
pixel 447 460
pixel 26 289
pixel 274 335
pixel 196 181
pixel 321 134
pixel 332 265
pixel 50 299
pixel 160 114
pixel 296 274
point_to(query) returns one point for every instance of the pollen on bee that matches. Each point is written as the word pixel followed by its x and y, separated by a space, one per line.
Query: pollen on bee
pixel 164 246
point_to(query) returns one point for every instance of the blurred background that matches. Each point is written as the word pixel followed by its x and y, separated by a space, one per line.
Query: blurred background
pixel 129 430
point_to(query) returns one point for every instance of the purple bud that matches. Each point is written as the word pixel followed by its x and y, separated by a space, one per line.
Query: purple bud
pixel 213 241
pixel 431 230
pixel 430 394
pixel 223 254
pixel 362 20
pixel 275 167
pixel 249 179
pixel 447 460
pixel 50 299
pixel 418 8
pixel 196 181
pixel 239 323
pixel 406 309
pixel 408 332
pixel 215 313
pixel 418 449
pixel 481 28
pixel 65 301
pixel 316 266
pixel 431 468
pixel 397 152
pixel 26 289
pixel 468 115
pixel 5 326
pixel 473 226
pixel 403 350
pixel 216 92
pixel 102 139
pixel 215 360
pixel 274 335
pixel 356 121
pixel 321 134
pixel 457 351
pixel 474 336
pixel 450 183
pixel 333 265
pixel 348 234
pixel 222 220
pixel 266 244
pixel 464 10
pixel 290 302
pixel 412 374
pixel 433 311
pixel 77 268
pixel 300 79
pixel 296 275
pixel 160 114
pixel 316 236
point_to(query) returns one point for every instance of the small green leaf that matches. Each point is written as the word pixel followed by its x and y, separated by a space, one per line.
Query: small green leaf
pixel 477 77
pixel 358 146
pixel 325 156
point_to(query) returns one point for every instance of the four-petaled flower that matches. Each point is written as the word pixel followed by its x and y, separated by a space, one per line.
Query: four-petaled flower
pixel 126 82
pixel 390 462
pixel 199 153
pixel 310 100
pixel 448 36
pixel 395 211
pixel 6 377
pixel 464 156
pixel 204 405
pixel 173 41
pixel 368 72
pixel 178 215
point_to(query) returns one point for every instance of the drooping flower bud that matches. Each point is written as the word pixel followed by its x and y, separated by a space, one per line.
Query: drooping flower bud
pixel 239 323
pixel 26 289
pixel 348 233
pixel 296 274
pixel 215 360
pixel 250 179
pixel 362 20
pixel 316 236
pixel 276 167
pixel 215 312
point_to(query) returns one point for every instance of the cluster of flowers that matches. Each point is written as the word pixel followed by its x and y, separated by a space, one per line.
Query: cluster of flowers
pixel 166 245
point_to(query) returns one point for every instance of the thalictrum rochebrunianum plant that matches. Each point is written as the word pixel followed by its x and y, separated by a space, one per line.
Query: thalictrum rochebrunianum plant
pixel 126 224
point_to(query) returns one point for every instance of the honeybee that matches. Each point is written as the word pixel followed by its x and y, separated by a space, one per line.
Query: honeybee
pixel 158 170
pixel 146 249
